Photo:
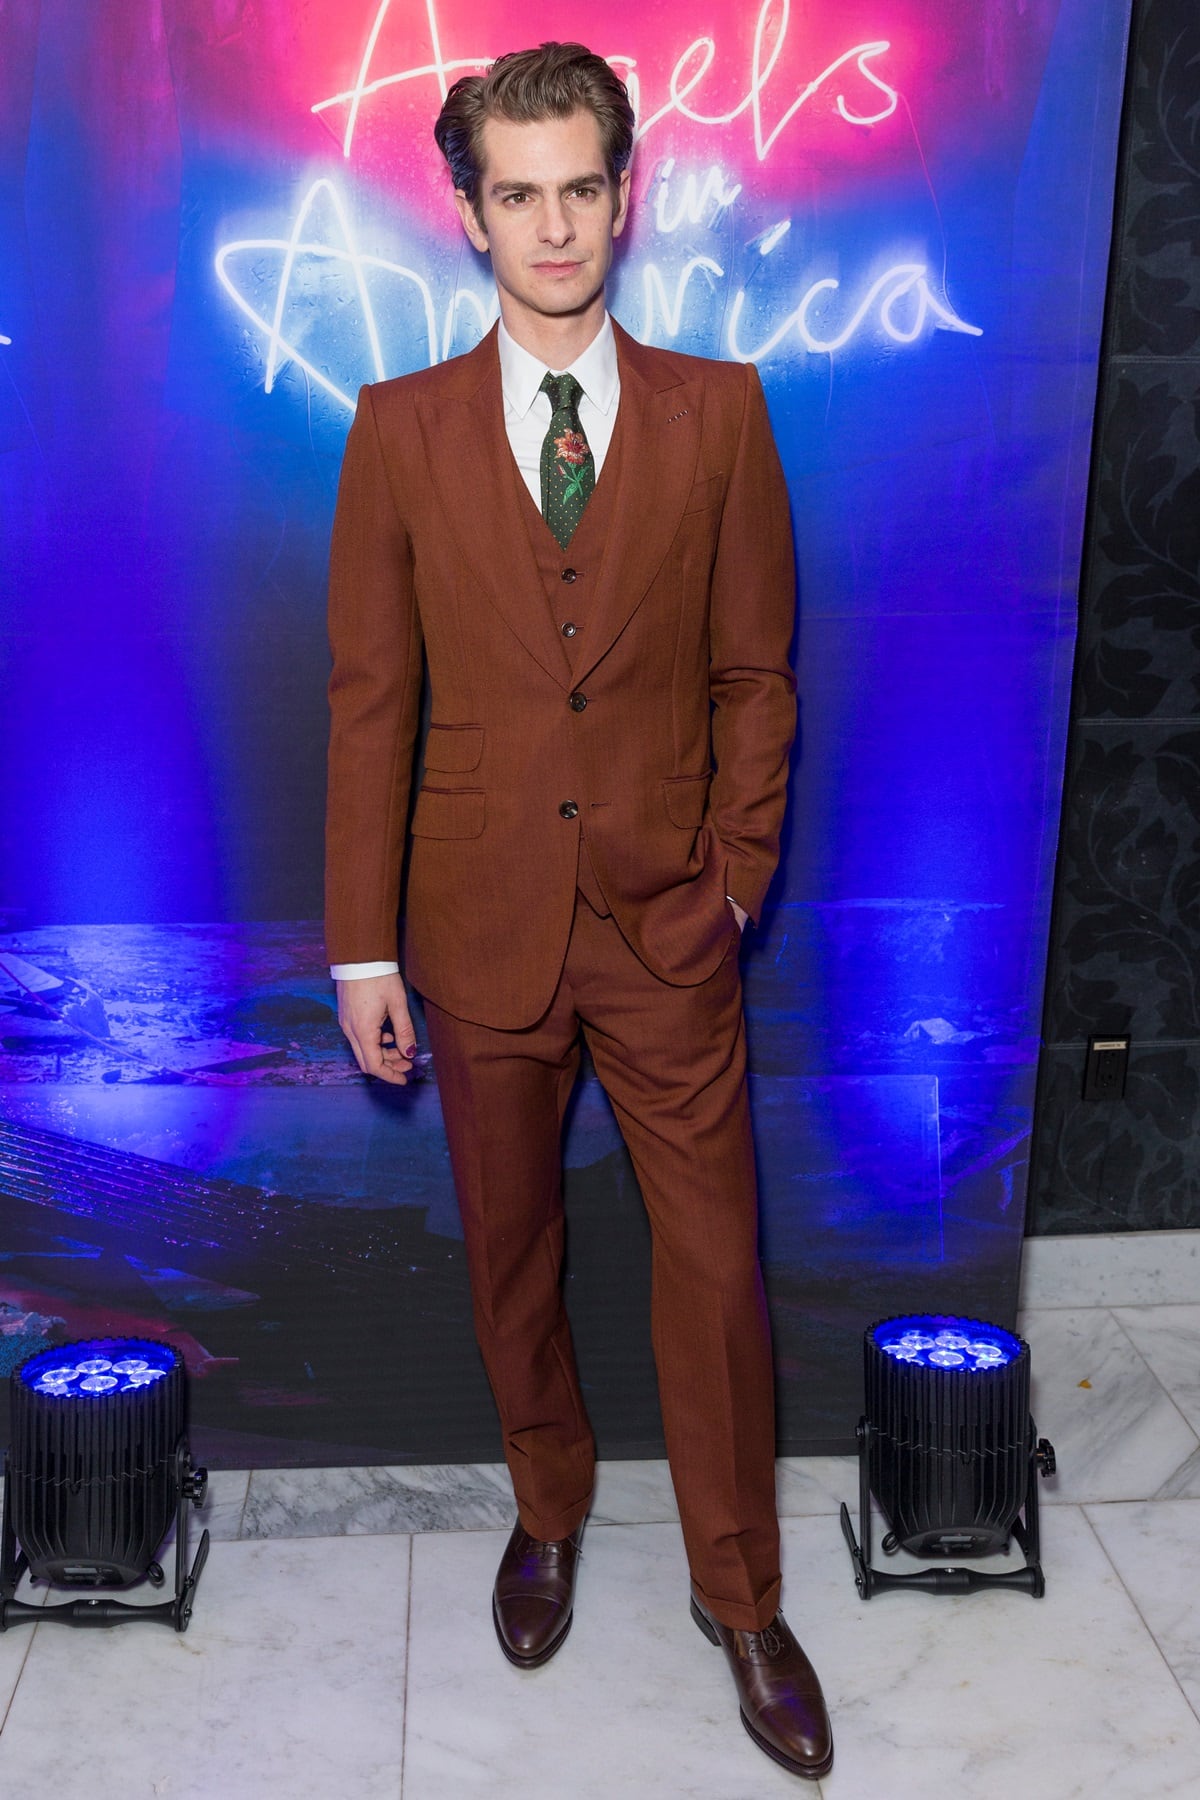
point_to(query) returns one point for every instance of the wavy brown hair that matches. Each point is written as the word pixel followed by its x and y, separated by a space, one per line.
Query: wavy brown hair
pixel 551 82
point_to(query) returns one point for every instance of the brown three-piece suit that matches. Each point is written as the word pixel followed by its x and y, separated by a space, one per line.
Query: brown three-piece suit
pixel 605 768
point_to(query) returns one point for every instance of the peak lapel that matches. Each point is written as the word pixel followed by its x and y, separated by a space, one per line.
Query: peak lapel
pixel 659 440
pixel 469 457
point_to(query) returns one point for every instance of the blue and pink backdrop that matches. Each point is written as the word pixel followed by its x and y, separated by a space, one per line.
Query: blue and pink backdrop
pixel 216 221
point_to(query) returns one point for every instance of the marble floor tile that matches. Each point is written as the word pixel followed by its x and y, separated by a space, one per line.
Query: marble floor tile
pixel 1155 1549
pixel 474 1496
pixel 634 1493
pixel 805 1485
pixel 375 1501
pixel 636 1702
pixel 979 1697
pixel 289 1682
pixel 995 1694
pixel 221 1514
pixel 1184 1482
pixel 1136 1268
pixel 1117 1433
pixel 1168 1337
pixel 15 1645
pixel 640 1493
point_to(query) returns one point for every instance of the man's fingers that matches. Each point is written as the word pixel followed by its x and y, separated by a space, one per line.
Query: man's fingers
pixel 403 1035
pixel 383 1064
pixel 374 1016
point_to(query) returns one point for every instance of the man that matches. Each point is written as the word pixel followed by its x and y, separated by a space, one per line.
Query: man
pixel 590 540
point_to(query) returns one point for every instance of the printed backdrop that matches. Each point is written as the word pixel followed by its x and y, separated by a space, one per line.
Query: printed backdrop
pixel 216 221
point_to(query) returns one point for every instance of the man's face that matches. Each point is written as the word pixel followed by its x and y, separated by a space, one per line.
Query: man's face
pixel 549 216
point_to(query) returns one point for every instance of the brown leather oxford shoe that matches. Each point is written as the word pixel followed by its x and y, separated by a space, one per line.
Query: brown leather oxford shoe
pixel 534 1595
pixel 782 1706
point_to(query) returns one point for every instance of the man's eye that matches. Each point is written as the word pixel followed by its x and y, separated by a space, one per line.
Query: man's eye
pixel 585 193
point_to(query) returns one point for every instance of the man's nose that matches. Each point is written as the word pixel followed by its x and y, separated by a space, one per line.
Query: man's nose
pixel 556 226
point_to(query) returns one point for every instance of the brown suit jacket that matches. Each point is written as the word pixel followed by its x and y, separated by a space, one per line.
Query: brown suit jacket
pixel 678 763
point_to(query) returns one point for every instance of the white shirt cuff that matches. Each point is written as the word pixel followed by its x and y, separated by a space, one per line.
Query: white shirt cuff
pixel 362 971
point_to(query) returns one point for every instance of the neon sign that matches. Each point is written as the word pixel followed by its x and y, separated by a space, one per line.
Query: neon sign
pixel 710 195
pixel 903 282
pixel 860 55
pixel 689 71
pixel 896 304
pixel 357 264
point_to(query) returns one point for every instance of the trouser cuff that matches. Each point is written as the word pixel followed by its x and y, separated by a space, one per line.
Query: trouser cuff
pixel 737 1615
pixel 551 1528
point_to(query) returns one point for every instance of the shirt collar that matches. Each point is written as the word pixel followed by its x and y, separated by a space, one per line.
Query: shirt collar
pixel 595 370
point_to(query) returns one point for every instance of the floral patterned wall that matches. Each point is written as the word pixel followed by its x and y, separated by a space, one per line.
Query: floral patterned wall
pixel 1125 950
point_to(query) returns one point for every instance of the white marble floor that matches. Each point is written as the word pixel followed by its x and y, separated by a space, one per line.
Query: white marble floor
pixel 342 1646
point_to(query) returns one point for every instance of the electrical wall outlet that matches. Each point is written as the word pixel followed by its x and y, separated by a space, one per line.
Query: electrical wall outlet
pixel 1106 1068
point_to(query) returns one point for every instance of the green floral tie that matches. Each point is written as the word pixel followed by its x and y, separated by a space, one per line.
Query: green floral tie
pixel 568 469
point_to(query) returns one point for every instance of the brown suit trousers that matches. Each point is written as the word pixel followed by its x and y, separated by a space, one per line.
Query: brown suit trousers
pixel 673 1063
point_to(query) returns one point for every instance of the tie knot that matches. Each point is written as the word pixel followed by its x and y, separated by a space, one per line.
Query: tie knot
pixel 564 392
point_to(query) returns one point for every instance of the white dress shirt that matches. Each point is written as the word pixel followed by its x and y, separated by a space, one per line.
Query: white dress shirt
pixel 527 410
pixel 527 420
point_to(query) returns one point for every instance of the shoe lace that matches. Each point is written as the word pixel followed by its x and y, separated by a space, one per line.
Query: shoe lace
pixel 766 1644
pixel 543 1550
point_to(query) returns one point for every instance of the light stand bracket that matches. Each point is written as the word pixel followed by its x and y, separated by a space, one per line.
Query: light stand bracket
pixel 948 1580
pixel 191 1486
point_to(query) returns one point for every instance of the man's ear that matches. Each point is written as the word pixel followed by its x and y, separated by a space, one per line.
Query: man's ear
pixel 470 223
pixel 621 203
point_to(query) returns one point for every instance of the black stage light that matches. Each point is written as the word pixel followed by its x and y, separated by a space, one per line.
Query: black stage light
pixel 949 1450
pixel 97 1468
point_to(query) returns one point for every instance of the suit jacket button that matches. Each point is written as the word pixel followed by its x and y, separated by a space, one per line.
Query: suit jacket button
pixel 577 702
pixel 569 574
pixel 569 629
pixel 568 809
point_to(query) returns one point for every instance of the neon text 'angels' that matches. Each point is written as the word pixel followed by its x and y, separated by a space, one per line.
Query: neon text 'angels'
pixel 685 79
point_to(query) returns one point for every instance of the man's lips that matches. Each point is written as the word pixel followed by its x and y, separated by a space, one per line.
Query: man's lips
pixel 557 268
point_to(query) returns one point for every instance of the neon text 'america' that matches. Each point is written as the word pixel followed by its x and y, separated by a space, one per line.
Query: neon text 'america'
pixel 898 306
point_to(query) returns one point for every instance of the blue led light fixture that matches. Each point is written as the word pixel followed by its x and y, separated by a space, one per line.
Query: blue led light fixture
pixel 948 1448
pixel 936 1342
pixel 97 1469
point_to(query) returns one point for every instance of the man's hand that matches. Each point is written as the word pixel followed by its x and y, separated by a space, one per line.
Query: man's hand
pixel 374 1015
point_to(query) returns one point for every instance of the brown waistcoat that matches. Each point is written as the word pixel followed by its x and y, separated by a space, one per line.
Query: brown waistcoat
pixel 569 578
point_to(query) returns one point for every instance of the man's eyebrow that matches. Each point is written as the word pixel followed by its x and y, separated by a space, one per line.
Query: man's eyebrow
pixel 592 179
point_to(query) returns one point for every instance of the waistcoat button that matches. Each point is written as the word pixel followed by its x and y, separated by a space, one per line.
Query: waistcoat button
pixel 568 809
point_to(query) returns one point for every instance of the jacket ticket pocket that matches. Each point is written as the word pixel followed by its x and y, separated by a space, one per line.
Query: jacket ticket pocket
pixel 453 749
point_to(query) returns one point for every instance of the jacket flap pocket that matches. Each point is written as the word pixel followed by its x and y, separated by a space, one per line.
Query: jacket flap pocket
pixel 448 813
pixel 686 797
pixel 454 749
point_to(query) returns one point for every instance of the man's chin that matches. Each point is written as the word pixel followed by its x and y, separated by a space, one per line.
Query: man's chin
pixel 561 302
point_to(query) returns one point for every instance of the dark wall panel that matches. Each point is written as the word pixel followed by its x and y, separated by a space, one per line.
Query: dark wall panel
pixel 1125 952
